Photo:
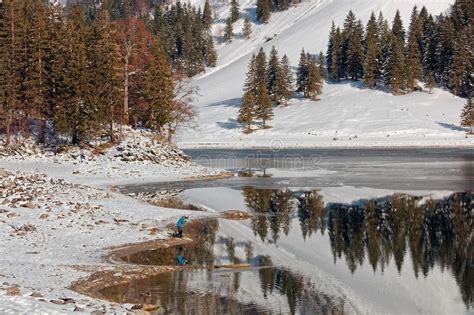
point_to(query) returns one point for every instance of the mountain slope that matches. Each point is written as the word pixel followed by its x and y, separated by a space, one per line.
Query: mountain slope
pixel 352 115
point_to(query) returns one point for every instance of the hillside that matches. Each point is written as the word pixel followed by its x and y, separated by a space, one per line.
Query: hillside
pixel 346 115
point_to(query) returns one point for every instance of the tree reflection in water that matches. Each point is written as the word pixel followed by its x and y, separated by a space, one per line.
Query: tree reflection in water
pixel 433 232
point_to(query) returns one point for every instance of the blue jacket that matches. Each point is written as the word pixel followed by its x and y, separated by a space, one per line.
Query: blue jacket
pixel 181 260
pixel 181 222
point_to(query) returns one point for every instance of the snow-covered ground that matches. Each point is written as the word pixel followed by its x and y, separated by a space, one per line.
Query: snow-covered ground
pixel 59 213
pixel 347 114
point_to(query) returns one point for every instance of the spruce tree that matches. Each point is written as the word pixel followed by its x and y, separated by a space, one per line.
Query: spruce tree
pixel 159 89
pixel 412 55
pixel 395 76
pixel 430 42
pixel 397 28
pixel 284 81
pixel 322 70
pixel 337 64
pixel 349 44
pixel 260 68
pixel 228 31
pixel 314 81
pixel 330 50
pixel 104 78
pixel 461 72
pixel 273 70
pixel 206 15
pixel 251 77
pixel 234 11
pixel 430 82
pixel 264 107
pixel 302 73
pixel 247 110
pixel 355 53
pixel 444 48
pixel 264 10
pixel 247 29
pixel 383 40
pixel 467 115
pixel 372 54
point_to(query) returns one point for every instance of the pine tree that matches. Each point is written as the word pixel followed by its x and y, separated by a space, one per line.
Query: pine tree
pixel 395 77
pixel 251 77
pixel 207 15
pixel 261 68
pixel 273 70
pixel 284 81
pixel 228 31
pixel 337 67
pixel 234 11
pixel 247 29
pixel 264 10
pixel 460 78
pixel 430 82
pixel 383 39
pixel 444 48
pixel 397 28
pixel 264 107
pixel 314 80
pixel 412 55
pixel 330 50
pixel 302 73
pixel 467 115
pixel 159 89
pixel 349 44
pixel 355 53
pixel 372 54
pixel 322 70
pixel 430 42
pixel 104 78
pixel 247 110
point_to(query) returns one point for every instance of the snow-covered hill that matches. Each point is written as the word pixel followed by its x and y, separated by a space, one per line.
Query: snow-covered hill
pixel 347 115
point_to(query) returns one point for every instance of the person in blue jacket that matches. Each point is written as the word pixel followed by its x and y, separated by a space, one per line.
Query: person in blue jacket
pixel 180 225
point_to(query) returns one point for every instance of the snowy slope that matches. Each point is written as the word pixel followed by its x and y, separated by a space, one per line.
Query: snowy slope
pixel 347 115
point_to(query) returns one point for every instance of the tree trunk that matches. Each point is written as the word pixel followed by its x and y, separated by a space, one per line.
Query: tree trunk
pixel 125 117
pixel 111 130
pixel 9 122
pixel 42 133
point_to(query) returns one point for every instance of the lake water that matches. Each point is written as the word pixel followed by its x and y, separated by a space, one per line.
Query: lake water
pixel 337 231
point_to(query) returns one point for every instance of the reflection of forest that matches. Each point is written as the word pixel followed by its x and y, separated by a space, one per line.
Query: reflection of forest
pixel 435 232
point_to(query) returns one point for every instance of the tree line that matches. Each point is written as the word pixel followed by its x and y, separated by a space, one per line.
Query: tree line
pixel 78 74
pixel 266 7
pixel 271 83
pixel 436 50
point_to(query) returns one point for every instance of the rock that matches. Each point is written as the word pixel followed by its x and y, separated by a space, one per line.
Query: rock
pixel 78 309
pixel 13 291
pixel 29 205
pixel 97 312
pixel 43 216
pixel 58 302
pixel 11 215
pixel 4 173
pixel 150 307
pixel 36 295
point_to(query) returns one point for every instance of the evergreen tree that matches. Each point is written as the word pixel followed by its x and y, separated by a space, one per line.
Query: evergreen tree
pixel 247 110
pixel 264 10
pixel 349 44
pixel 302 73
pixel 430 41
pixel 412 55
pixel 260 68
pixel 372 54
pixel 314 81
pixel 273 71
pixel 159 89
pixel 228 31
pixel 284 81
pixel 74 115
pixel 251 77
pixel 445 48
pixel 264 107
pixel 397 28
pixel 234 11
pixel 461 72
pixel 337 63
pixel 247 29
pixel 329 52
pixel 430 82
pixel 322 69
pixel 467 115
pixel 383 39
pixel 395 77
pixel 355 54
pixel 207 15
pixel 104 78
